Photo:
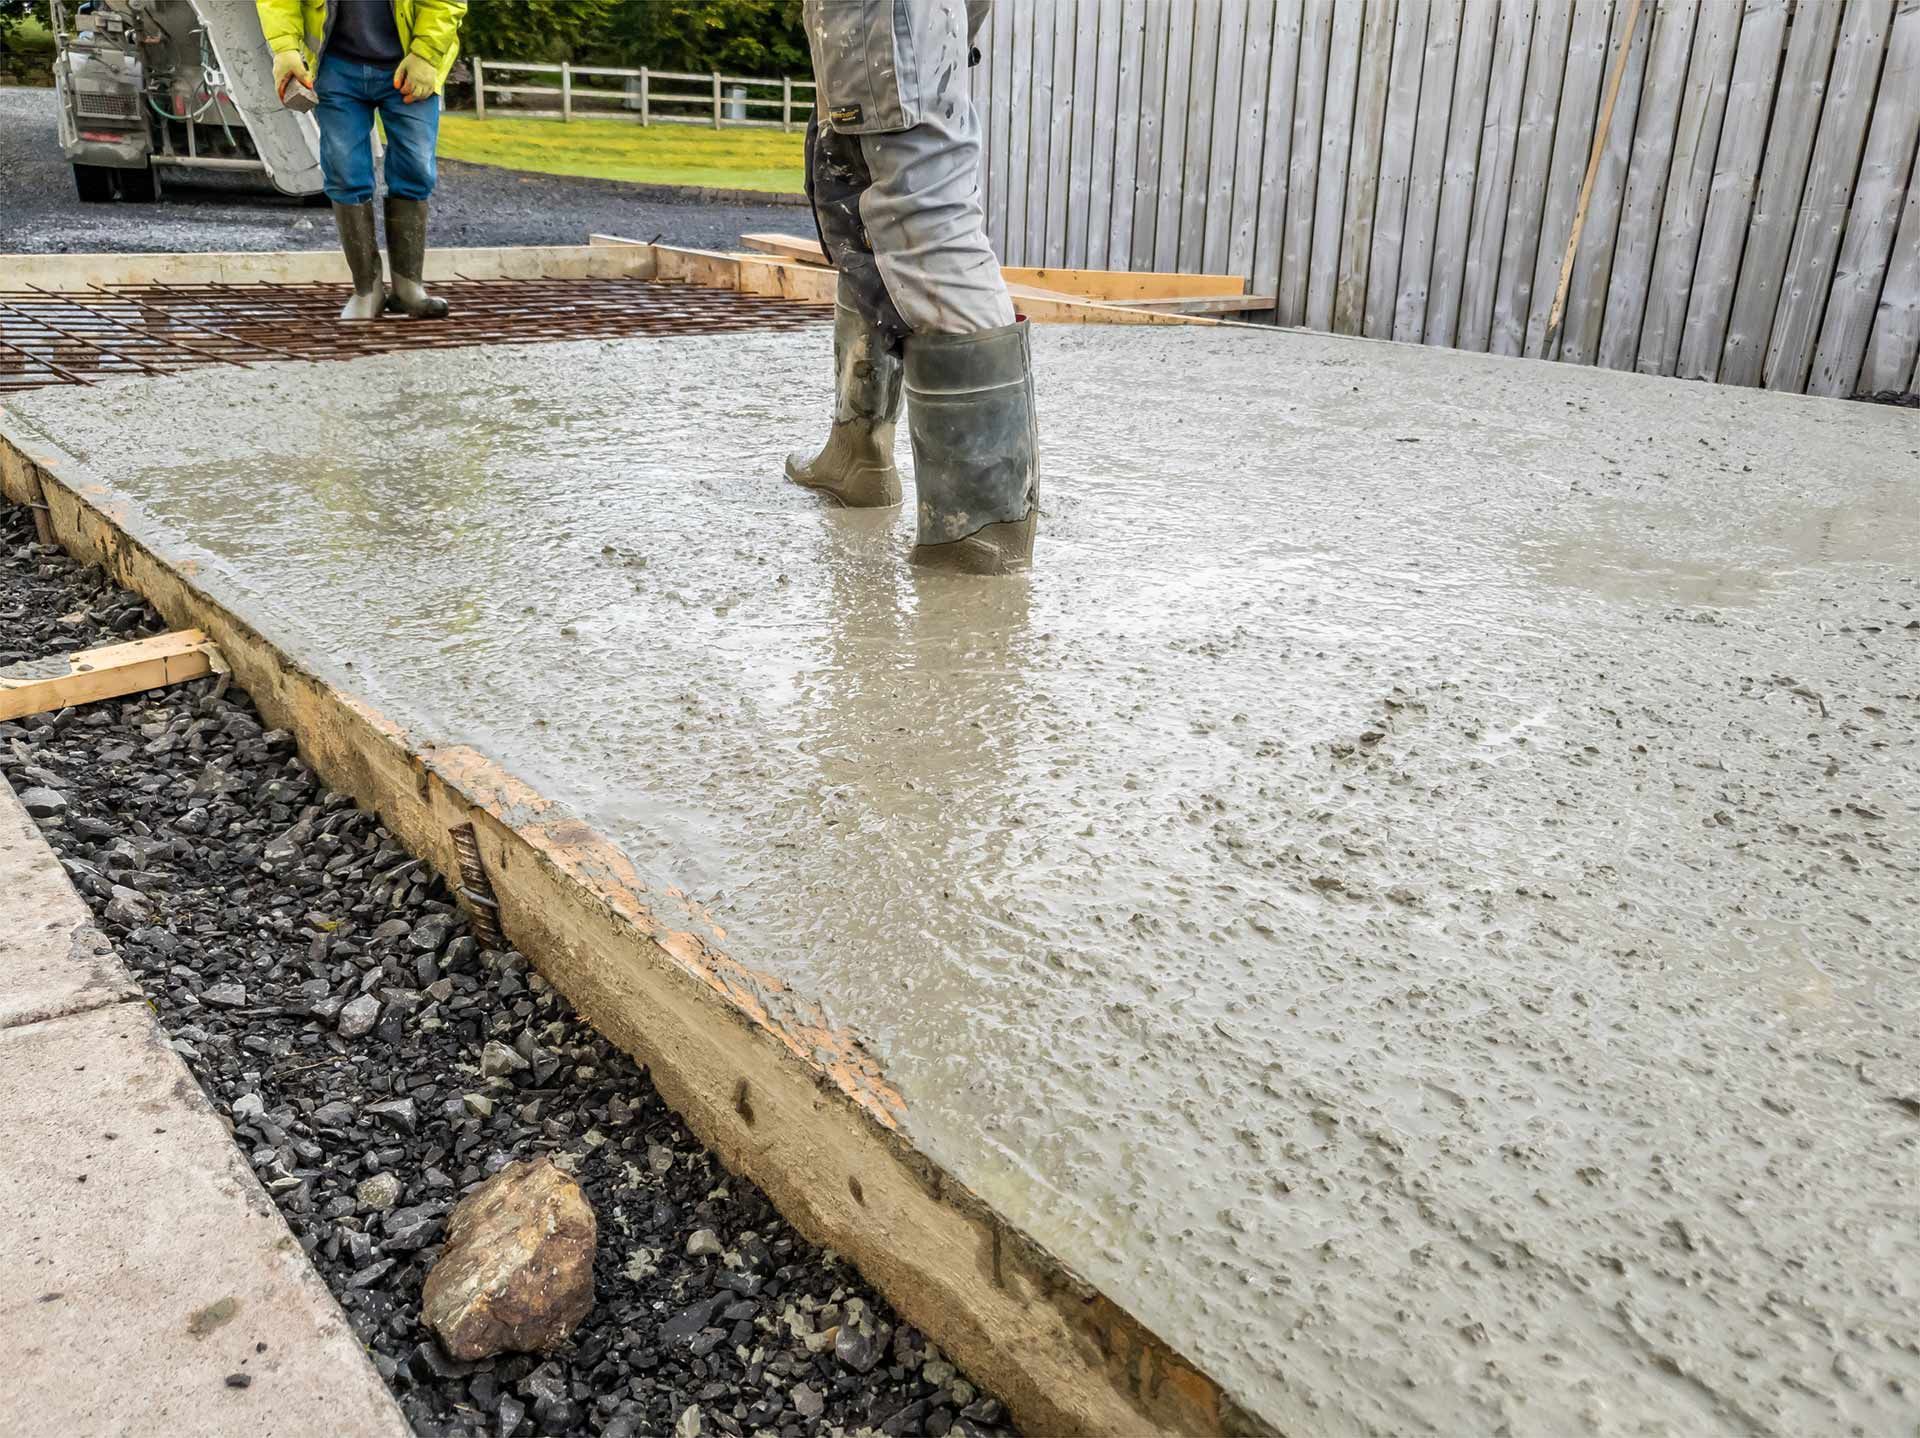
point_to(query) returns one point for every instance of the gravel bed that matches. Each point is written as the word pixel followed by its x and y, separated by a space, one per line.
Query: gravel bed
pixel 40 212
pixel 377 1063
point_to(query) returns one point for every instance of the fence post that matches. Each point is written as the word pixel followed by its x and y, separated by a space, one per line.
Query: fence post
pixel 566 91
pixel 716 99
pixel 479 91
pixel 786 103
pixel 646 99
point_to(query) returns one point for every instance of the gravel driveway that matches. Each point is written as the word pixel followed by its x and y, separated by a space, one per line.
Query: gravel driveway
pixel 40 213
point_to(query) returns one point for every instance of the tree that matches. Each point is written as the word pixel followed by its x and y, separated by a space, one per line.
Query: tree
pixel 530 29
pixel 12 12
pixel 740 37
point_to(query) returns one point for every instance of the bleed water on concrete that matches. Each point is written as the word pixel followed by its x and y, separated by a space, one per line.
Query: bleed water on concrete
pixel 1416 896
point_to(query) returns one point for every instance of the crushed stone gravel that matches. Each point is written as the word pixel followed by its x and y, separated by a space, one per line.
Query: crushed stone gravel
pixel 376 1063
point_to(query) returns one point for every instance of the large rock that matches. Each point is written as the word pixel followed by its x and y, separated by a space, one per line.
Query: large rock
pixel 517 1272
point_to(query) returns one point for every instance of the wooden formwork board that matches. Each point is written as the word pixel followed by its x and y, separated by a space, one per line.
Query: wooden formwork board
pixel 789 1101
pixel 329 266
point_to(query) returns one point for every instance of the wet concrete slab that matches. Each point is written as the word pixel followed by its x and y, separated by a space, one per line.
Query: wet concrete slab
pixel 150 1284
pixel 1415 897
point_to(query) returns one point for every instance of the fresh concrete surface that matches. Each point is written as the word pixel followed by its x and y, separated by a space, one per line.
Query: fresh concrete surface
pixel 143 1263
pixel 1415 896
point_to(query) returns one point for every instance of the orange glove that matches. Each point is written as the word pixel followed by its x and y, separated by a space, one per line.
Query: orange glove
pixel 416 79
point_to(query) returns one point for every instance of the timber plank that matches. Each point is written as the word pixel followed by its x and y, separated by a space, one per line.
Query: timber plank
pixel 1465 134
pixel 1642 207
pixel 1737 164
pixel 1823 204
pixel 109 672
pixel 1493 175
pixel 1885 175
pixel 1396 168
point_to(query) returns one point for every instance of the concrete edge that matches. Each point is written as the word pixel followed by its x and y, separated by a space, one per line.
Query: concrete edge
pixel 331 1358
pixel 797 1108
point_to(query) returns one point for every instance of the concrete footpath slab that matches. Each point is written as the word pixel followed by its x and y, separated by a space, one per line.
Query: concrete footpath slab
pixel 150 1284
pixel 55 961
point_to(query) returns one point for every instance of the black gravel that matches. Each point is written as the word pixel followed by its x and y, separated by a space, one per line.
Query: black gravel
pixel 377 1063
pixel 40 212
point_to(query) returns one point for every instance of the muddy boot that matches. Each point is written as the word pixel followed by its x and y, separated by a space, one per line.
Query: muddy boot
pixel 856 468
pixel 975 449
pixel 355 223
pixel 407 258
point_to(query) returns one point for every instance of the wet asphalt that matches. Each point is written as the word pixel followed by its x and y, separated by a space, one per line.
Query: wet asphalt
pixel 41 213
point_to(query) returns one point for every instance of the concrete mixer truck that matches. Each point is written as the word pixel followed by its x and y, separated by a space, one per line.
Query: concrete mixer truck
pixel 152 87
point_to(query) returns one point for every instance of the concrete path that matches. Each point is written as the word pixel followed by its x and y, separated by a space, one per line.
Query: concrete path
pixel 150 1284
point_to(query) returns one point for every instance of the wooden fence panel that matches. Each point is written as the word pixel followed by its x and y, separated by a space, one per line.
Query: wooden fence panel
pixel 1461 162
pixel 1107 22
pixel 1396 167
pixel 1823 205
pixel 1133 29
pixel 1206 90
pixel 1276 155
pixel 1520 249
pixel 1783 178
pixel 1309 105
pixel 1363 166
pixel 1683 212
pixel 1593 262
pixel 1229 109
pixel 1336 144
pixel 1493 176
pixel 1886 171
pixel 1894 348
pixel 1085 86
pixel 1013 248
pixel 1642 209
pixel 1429 160
pixel 1153 104
pixel 1743 154
pixel 1413 169
pixel 1256 66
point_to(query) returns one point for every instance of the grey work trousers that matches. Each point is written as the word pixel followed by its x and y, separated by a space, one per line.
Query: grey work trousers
pixel 893 165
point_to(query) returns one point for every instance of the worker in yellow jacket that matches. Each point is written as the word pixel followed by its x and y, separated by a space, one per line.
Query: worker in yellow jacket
pixel 359 57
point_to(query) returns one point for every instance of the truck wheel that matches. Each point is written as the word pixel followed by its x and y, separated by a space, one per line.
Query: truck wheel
pixel 94 182
pixel 139 186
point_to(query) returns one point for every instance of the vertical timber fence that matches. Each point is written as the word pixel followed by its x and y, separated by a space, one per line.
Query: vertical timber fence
pixel 1415 170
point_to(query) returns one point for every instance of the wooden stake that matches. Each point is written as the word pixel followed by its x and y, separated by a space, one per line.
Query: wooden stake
pixel 42 685
pixel 1551 340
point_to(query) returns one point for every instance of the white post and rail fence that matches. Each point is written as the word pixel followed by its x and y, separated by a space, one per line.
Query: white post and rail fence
pixel 613 92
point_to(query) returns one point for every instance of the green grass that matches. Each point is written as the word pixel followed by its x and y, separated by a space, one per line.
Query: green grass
pixel 622 150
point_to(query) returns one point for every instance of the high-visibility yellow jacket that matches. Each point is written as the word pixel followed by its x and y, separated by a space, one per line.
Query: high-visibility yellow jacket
pixel 428 28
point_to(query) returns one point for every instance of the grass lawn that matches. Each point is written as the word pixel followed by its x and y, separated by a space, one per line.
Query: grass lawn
pixel 622 150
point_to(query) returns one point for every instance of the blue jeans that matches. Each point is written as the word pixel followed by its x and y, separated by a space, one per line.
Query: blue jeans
pixel 349 94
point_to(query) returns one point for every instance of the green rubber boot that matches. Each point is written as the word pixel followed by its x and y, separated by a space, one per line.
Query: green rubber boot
pixel 856 467
pixel 976 449
pixel 407 258
pixel 362 246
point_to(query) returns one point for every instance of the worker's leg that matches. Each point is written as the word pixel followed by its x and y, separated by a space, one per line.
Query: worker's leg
pixel 345 115
pixel 907 209
pixel 413 130
pixel 968 368
pixel 856 466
